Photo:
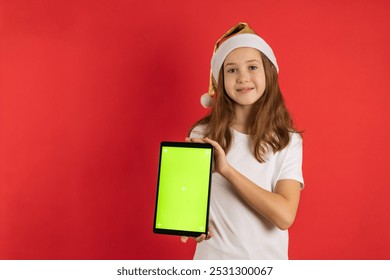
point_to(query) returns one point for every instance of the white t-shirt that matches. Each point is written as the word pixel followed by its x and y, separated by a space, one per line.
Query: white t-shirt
pixel 239 232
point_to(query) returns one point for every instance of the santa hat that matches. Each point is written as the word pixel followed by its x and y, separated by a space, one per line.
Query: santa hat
pixel 239 36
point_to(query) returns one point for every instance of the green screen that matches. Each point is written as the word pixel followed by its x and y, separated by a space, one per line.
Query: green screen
pixel 183 188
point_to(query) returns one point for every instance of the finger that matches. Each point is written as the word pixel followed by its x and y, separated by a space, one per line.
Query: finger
pixel 188 139
pixel 198 140
pixel 215 144
pixel 200 238
pixel 212 142
pixel 184 239
pixel 209 140
pixel 209 235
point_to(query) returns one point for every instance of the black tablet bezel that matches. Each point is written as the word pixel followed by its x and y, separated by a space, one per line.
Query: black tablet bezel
pixel 177 231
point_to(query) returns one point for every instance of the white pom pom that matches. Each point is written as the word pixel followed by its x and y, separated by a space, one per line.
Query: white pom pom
pixel 206 100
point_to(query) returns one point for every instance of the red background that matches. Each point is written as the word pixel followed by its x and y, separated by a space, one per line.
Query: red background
pixel 89 89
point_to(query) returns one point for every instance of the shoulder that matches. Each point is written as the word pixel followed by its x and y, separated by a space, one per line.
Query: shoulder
pixel 289 160
pixel 198 131
pixel 295 139
pixel 294 145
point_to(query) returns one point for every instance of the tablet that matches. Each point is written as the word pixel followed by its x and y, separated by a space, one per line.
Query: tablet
pixel 183 188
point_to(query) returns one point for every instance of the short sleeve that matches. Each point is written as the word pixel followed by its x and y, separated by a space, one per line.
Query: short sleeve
pixel 197 132
pixel 290 160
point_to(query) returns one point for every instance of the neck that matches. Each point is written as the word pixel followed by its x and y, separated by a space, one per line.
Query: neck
pixel 243 114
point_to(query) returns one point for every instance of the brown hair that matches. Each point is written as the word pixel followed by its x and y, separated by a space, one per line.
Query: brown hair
pixel 270 123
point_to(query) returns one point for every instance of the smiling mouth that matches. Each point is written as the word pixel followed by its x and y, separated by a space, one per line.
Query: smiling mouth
pixel 245 90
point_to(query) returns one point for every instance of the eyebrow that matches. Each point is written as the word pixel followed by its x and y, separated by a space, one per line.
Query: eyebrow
pixel 248 61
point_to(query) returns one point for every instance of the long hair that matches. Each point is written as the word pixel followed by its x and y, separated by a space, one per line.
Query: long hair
pixel 270 123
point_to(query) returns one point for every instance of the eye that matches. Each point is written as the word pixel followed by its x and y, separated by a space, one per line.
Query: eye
pixel 253 67
pixel 231 70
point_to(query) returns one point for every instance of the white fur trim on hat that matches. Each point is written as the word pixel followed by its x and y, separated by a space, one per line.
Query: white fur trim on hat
pixel 206 100
pixel 240 41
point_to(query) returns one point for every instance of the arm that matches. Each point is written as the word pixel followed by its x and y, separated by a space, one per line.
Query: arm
pixel 278 207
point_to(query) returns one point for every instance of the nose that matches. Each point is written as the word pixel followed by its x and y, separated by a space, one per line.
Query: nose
pixel 242 77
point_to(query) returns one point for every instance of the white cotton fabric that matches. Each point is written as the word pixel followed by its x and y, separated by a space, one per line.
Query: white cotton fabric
pixel 239 232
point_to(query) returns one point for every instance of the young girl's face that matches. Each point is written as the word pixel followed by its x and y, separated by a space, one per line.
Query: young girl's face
pixel 244 77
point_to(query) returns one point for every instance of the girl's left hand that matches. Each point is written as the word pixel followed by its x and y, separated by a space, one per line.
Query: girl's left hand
pixel 198 239
pixel 220 162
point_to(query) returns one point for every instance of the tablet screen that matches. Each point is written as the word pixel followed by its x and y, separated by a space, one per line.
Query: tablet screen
pixel 183 188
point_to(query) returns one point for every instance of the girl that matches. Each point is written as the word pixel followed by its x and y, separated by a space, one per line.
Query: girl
pixel 258 153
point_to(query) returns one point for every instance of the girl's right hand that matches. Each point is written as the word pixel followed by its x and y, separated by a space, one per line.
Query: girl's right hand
pixel 198 239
